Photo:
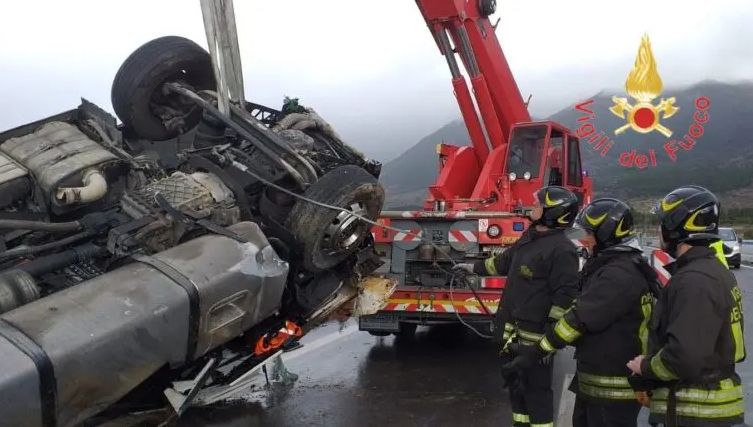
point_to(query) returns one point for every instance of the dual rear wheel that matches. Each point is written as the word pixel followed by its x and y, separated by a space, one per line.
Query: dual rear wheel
pixel 326 236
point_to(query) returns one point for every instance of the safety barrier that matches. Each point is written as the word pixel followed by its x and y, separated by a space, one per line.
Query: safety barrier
pixel 655 238
pixel 659 258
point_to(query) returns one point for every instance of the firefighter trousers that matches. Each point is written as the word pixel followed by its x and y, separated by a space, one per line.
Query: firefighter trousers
pixel 533 404
pixel 591 414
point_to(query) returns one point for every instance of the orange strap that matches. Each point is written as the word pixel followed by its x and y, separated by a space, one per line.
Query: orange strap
pixel 273 341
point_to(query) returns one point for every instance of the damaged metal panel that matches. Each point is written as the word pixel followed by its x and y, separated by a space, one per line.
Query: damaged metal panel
pixel 109 334
pixel 19 383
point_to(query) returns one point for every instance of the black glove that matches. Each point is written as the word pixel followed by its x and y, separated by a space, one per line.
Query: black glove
pixel 526 356
pixel 643 389
pixel 638 383
pixel 514 380
pixel 512 377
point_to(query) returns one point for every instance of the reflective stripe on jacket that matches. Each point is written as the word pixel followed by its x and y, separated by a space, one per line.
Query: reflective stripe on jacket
pixel 701 309
pixel 608 323
pixel 718 248
pixel 542 277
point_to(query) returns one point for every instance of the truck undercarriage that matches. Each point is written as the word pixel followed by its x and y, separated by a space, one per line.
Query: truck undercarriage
pixel 174 254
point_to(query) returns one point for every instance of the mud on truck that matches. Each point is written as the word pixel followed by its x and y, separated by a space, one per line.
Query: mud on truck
pixel 479 203
pixel 173 254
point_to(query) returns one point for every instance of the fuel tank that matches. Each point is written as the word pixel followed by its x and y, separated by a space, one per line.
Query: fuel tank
pixel 72 354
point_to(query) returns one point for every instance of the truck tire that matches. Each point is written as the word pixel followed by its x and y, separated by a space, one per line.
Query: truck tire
pixel 327 236
pixel 137 96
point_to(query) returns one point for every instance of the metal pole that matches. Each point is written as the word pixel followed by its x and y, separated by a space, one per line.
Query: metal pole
pixel 222 38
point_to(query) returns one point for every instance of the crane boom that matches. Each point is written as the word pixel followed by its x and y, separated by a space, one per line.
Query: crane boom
pixel 475 42
pixel 481 176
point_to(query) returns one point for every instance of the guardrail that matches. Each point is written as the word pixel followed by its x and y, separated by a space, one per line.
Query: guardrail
pixel 653 242
pixel 648 238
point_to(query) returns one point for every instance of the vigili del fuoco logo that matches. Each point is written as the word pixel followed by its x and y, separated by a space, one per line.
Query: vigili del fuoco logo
pixel 643 115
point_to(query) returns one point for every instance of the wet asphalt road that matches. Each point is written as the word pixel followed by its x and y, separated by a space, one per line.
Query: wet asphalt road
pixel 441 377
pixel 747 248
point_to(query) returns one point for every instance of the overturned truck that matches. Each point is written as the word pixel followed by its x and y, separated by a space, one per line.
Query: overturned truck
pixel 181 247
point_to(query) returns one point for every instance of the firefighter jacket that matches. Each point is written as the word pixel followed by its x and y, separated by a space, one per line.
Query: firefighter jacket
pixel 696 337
pixel 608 324
pixel 542 282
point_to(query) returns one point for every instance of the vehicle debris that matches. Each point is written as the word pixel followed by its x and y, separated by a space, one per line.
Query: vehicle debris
pixel 169 258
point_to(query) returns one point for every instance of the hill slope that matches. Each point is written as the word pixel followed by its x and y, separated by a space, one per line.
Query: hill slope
pixel 721 159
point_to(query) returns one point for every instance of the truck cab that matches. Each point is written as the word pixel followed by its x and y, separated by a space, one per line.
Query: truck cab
pixel 541 154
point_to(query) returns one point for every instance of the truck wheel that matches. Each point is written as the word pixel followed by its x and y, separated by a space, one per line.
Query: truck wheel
pixel 327 236
pixel 275 205
pixel 137 96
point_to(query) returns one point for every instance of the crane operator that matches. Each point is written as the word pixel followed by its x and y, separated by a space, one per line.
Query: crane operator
pixel 696 334
pixel 542 281
pixel 608 323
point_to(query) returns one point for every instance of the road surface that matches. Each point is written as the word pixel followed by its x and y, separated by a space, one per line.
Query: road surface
pixel 747 248
pixel 443 377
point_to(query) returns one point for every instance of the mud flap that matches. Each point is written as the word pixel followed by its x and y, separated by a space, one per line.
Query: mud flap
pixel 564 400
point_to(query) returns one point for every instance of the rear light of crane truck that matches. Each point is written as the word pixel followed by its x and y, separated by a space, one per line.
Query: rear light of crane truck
pixel 493 283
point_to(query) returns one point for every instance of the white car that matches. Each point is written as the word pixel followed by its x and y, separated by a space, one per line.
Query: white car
pixel 732 242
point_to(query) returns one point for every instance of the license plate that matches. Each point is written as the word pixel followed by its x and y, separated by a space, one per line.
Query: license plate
pixel 379 322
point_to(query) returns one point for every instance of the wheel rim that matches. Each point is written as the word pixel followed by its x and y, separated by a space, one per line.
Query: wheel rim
pixel 345 231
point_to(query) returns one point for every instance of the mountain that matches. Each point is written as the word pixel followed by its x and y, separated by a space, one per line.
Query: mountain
pixel 720 159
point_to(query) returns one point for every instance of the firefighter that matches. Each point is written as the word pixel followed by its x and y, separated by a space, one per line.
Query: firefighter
pixel 697 327
pixel 542 281
pixel 609 320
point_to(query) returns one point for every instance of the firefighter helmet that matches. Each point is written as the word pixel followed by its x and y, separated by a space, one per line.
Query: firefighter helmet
pixel 689 214
pixel 609 220
pixel 560 207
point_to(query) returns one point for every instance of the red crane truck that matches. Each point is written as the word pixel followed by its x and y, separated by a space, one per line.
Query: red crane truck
pixel 480 200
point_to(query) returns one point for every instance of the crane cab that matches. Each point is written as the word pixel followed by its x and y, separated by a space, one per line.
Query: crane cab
pixel 544 153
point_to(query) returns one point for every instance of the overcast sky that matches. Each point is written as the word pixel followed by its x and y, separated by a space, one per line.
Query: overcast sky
pixel 369 67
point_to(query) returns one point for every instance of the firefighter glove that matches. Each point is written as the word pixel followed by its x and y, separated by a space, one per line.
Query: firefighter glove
pixel 464 268
pixel 638 383
pixel 642 388
pixel 514 380
pixel 526 356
